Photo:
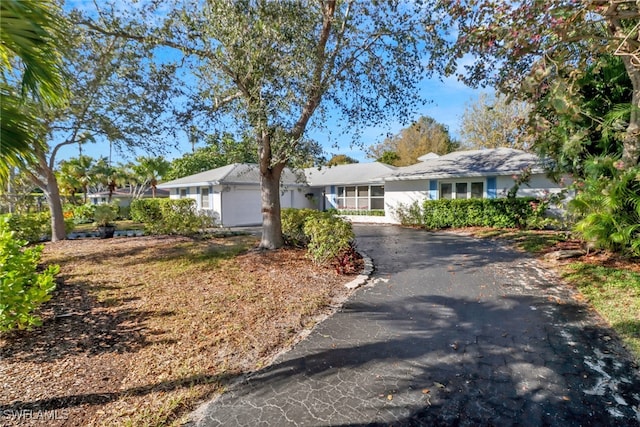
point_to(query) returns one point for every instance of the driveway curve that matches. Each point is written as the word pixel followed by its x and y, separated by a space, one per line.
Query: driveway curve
pixel 450 330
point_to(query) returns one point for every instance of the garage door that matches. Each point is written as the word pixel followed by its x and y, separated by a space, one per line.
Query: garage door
pixel 241 207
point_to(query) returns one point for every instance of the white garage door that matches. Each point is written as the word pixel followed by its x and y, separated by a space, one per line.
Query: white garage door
pixel 241 207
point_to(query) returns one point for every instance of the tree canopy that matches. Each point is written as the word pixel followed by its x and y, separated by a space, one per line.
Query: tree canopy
pixel 538 50
pixel 273 66
pixel 424 136
pixel 494 121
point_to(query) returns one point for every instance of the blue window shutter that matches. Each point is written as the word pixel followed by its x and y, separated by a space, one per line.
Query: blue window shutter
pixel 332 198
pixel 492 187
pixel 433 189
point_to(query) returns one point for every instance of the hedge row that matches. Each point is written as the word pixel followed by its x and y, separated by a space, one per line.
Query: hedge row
pixel 505 212
pixel 170 216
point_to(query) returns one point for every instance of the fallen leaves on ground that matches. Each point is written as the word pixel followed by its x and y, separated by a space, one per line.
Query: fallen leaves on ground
pixel 142 330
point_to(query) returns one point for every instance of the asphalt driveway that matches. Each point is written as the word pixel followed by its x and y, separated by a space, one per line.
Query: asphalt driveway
pixel 450 330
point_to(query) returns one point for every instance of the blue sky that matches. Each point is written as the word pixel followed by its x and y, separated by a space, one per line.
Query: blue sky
pixel 448 99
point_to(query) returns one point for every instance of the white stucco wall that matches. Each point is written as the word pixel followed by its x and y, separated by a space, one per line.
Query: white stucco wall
pixel 405 193
pixel 538 186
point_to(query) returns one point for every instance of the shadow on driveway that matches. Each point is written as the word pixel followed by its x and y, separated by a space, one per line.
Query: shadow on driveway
pixel 450 331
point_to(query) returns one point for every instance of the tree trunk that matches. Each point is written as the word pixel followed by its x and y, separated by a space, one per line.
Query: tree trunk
pixel 631 142
pixel 271 221
pixel 52 193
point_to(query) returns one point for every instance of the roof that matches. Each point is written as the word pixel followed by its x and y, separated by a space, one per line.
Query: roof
pixel 125 193
pixel 487 162
pixel 236 173
pixel 353 173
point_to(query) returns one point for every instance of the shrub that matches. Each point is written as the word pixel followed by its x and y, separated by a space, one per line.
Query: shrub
pixel 329 237
pixel 81 214
pixel 22 289
pixel 293 221
pixel 170 216
pixel 104 215
pixel 443 213
pixel 33 227
pixel 607 206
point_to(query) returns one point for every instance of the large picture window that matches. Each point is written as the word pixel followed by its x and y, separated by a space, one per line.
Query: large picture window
pixel 360 197
pixel 462 190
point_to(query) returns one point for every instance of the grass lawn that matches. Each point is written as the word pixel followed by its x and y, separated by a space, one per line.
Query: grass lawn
pixel 611 284
pixel 141 330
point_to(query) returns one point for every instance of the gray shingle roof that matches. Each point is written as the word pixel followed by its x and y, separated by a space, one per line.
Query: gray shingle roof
pixel 236 173
pixel 355 173
pixel 488 162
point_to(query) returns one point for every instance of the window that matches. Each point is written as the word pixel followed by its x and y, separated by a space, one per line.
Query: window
pixel 477 190
pixel 377 197
pixel 462 190
pixel 361 197
pixel 183 193
pixel 204 201
pixel 446 190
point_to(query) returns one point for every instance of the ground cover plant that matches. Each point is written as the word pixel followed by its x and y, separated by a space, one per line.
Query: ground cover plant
pixel 140 330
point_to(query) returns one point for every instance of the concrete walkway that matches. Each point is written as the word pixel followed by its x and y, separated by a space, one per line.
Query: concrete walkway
pixel 450 330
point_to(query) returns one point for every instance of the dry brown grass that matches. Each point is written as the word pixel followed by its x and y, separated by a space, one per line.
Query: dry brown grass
pixel 141 330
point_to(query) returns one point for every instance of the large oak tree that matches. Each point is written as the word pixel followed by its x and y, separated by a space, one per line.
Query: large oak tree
pixel 276 67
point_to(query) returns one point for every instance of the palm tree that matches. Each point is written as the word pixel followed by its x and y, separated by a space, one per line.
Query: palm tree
pixel 31 33
pixel 108 176
pixel 150 170
pixel 80 169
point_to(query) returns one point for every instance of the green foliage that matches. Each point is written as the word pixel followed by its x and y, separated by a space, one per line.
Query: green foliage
pixel 31 227
pixel 341 159
pixel 170 216
pixel 22 289
pixel 220 150
pixel 104 215
pixel 327 236
pixel 504 212
pixel 81 214
pixel 293 221
pixel 607 206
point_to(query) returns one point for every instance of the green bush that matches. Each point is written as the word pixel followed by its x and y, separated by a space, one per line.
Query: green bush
pixel 436 214
pixel 607 206
pixel 170 216
pixel 146 210
pixel 81 214
pixel 293 221
pixel 22 289
pixel 328 237
pixel 33 227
